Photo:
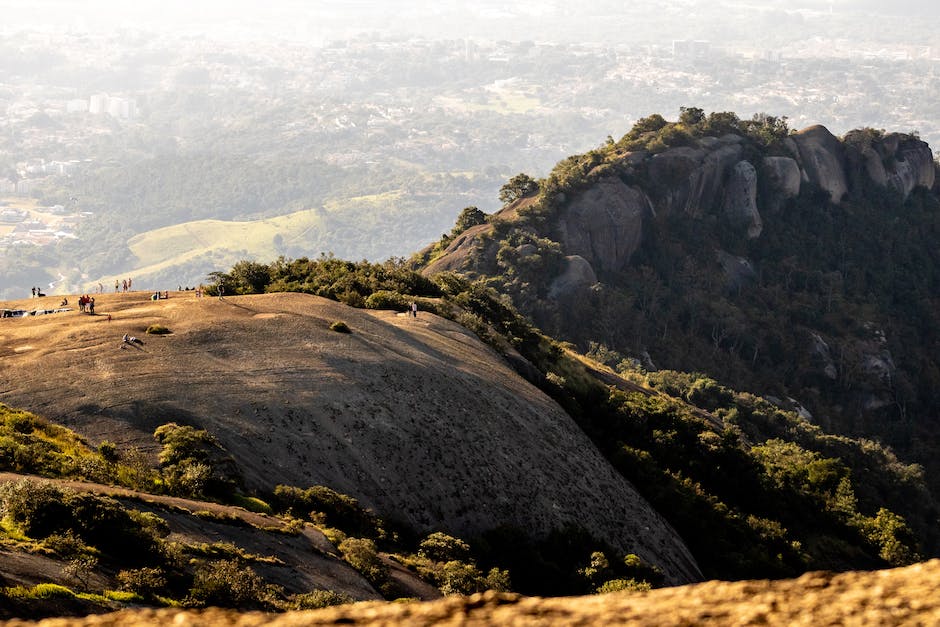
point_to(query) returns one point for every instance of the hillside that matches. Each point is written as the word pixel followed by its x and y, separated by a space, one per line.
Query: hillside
pixel 796 265
pixel 903 596
pixel 299 561
pixel 414 417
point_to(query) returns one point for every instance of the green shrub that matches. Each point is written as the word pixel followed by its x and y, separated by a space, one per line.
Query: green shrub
pixel 252 504
pixel 441 547
pixel 340 327
pixel 108 451
pixel 227 583
pixel 317 599
pixel 146 582
pixel 158 329
pixel 619 585
pixel 66 544
pixel 328 507
pixel 194 463
pixel 361 554
pixel 36 507
pixel 384 299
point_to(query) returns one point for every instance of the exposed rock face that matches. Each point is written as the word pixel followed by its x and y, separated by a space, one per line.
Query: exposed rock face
pixel 578 275
pixel 783 176
pixel 822 160
pixel 416 418
pixel 913 166
pixel 690 180
pixel 738 270
pixel 464 252
pixel 821 354
pixel 604 225
pixel 740 201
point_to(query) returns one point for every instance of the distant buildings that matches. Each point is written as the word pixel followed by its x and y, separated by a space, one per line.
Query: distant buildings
pixel 122 108
pixel 691 49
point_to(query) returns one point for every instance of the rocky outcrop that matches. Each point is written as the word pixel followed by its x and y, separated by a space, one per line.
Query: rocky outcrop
pixel 822 356
pixel 821 158
pixel 783 177
pixel 604 224
pixel 466 252
pixel 690 179
pixel 740 199
pixel 577 276
pixel 913 166
pixel 738 270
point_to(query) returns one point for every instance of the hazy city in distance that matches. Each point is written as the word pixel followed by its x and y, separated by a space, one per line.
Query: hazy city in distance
pixel 165 140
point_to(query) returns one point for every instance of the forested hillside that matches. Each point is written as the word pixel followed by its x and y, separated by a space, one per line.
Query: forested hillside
pixel 796 265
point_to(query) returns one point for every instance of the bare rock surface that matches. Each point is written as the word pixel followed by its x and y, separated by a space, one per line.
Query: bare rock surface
pixel 740 200
pixel 822 160
pixel 604 224
pixel 913 167
pixel 577 276
pixel 784 175
pixel 904 596
pixel 415 417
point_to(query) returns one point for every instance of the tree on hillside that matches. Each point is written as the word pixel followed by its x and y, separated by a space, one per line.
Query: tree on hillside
pixel 691 116
pixel 721 123
pixel 250 277
pixel 767 129
pixel 649 124
pixel 469 217
pixel 519 186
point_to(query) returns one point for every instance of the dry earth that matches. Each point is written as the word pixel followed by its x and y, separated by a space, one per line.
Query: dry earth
pixel 904 596
pixel 415 417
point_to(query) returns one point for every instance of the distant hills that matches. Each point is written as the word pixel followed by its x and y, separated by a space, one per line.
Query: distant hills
pixel 679 356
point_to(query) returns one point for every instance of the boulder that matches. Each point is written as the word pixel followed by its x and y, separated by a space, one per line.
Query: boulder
pixel 783 176
pixel 462 253
pixel 822 356
pixel 690 180
pixel 577 276
pixel 740 199
pixel 822 160
pixel 874 166
pixel 738 270
pixel 913 165
pixel 604 224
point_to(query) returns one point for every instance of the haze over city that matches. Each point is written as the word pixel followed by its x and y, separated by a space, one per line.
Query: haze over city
pixel 382 120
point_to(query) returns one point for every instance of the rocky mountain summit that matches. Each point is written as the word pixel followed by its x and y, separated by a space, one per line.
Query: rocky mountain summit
pixel 721 177
pixel 798 265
